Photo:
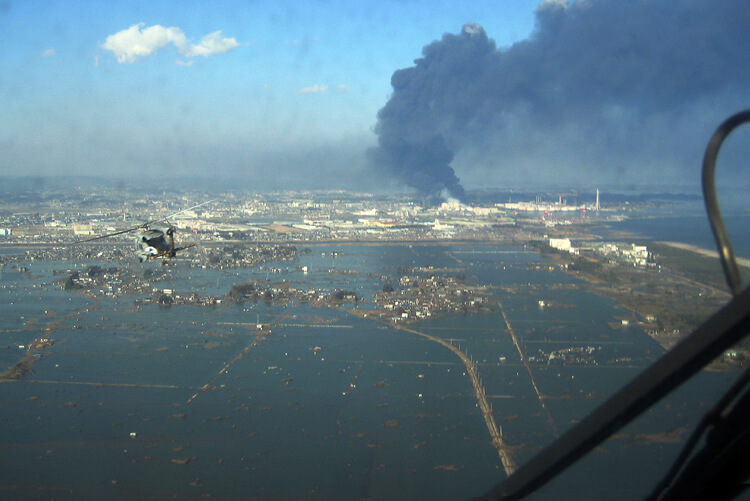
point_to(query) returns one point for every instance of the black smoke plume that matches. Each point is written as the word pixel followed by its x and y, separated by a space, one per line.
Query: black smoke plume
pixel 601 87
pixel 424 108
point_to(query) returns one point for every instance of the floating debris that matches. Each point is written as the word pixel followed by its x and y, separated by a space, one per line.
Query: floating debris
pixel 445 467
pixel 670 437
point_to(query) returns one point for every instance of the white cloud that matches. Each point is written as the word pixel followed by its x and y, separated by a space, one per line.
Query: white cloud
pixel 137 42
pixel 553 5
pixel 48 53
pixel 213 43
pixel 133 43
pixel 473 29
pixel 342 89
pixel 315 89
pixel 179 62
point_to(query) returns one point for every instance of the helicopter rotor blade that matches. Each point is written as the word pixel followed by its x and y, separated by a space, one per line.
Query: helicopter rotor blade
pixel 168 216
pixel 145 225
pixel 109 235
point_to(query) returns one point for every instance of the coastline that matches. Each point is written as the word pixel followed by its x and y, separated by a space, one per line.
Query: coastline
pixel 705 252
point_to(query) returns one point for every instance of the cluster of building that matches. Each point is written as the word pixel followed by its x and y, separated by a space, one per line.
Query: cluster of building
pixel 638 255
pixel 270 217
pixel 264 290
pixel 109 282
pixel 243 256
pixel 575 355
pixel 420 297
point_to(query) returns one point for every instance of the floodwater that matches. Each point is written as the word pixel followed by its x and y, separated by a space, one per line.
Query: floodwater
pixel 150 402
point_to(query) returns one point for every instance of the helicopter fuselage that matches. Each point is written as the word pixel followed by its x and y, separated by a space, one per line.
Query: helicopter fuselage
pixel 151 243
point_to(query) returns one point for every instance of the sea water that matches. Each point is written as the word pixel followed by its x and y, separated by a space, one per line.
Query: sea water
pixel 688 223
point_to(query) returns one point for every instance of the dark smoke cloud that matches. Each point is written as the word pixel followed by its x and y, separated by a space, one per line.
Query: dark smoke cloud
pixel 602 87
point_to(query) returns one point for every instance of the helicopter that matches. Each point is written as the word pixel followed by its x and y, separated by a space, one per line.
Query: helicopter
pixel 153 239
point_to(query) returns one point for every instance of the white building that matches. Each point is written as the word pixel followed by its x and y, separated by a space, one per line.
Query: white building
pixel 562 244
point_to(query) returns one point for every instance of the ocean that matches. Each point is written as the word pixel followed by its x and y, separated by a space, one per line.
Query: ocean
pixel 687 223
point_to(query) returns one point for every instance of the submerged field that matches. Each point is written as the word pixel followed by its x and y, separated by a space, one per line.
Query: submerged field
pixel 322 401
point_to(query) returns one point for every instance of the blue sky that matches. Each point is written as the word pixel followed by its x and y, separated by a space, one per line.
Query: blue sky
pixel 286 94
pixel 302 75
